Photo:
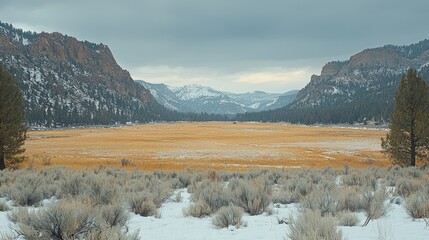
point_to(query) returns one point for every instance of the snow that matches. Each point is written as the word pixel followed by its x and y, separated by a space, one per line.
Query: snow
pixel 172 224
pixel 194 91
pixel 255 105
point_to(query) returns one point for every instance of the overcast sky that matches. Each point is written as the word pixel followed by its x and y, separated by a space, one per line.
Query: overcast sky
pixel 231 45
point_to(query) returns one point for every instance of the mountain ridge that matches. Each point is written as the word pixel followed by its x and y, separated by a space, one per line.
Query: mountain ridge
pixel 199 98
pixel 66 81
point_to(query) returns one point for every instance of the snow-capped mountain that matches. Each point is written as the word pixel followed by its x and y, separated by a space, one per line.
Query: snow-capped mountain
pixel 66 81
pixel 197 98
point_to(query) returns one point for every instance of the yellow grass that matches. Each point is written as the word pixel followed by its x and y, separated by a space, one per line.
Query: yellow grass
pixel 219 146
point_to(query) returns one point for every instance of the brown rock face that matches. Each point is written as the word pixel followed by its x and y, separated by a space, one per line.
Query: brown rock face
pixel 64 76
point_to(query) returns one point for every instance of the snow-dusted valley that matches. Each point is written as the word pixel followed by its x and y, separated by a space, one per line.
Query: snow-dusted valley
pixel 293 204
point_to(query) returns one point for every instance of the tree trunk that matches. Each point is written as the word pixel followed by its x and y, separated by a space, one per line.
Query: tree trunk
pixel 413 147
pixel 2 164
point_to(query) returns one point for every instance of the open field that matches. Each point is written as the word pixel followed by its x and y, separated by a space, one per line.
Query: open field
pixel 218 145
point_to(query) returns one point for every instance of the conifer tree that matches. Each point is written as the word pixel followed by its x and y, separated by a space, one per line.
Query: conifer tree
pixel 12 121
pixel 408 138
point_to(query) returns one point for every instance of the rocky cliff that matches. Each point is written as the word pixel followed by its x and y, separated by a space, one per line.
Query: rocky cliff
pixel 66 81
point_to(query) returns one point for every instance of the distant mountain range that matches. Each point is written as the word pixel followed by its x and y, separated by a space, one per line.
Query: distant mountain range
pixel 197 98
pixel 360 89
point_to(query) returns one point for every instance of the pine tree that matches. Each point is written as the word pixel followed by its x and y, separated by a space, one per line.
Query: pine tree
pixel 408 138
pixel 12 121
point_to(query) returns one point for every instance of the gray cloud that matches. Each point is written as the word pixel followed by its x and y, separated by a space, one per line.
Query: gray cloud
pixel 229 37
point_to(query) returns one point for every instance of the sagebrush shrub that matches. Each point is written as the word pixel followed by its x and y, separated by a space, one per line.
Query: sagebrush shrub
pixel 405 187
pixel 311 225
pixel 142 204
pixel 26 190
pixel 213 193
pixel 374 204
pixel 347 219
pixel 199 209
pixel 417 205
pixel 349 199
pixel 228 216
pixel 321 199
pixel 63 220
pixel 253 196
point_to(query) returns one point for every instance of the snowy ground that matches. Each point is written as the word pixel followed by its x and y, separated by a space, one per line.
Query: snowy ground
pixel 172 224
pixel 396 225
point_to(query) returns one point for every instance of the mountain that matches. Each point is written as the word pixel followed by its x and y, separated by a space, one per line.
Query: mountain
pixel 356 90
pixel 197 98
pixel 66 81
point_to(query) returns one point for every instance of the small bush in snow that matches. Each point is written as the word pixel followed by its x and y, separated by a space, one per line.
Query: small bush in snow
pixel 252 196
pixel 27 190
pixel 199 209
pixel 213 193
pixel 142 204
pixel 349 199
pixel 228 216
pixel 114 214
pixel 3 206
pixel 311 225
pixel 321 199
pixel 405 187
pixel 348 219
pixel 417 205
pixel 374 204
pixel 284 196
pixel 64 220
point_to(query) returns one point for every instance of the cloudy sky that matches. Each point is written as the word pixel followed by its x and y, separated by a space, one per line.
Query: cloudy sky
pixel 231 45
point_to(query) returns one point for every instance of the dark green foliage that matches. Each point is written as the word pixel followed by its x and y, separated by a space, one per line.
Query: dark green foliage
pixel 12 121
pixel 408 138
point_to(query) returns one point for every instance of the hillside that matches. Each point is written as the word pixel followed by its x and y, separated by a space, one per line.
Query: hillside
pixel 66 81
pixel 360 89
pixel 196 98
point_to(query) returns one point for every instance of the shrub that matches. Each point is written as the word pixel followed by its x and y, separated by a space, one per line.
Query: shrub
pixel 64 220
pixel 349 199
pixel 405 187
pixel 374 204
pixel 321 199
pixel 417 205
pixel 228 216
pixel 311 225
pixel 101 191
pixel 252 196
pixel 348 219
pixel 71 185
pixel 142 204
pixel 213 193
pixel 199 209
pixel 3 206
pixel 27 190
pixel 114 215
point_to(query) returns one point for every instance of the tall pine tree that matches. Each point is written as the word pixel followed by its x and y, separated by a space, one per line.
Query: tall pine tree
pixel 12 121
pixel 408 138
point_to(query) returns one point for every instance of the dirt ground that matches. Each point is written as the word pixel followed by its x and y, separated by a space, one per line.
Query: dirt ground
pixel 213 145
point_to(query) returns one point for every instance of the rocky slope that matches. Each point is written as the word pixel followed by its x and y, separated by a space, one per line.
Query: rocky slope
pixel 197 98
pixel 360 89
pixel 66 81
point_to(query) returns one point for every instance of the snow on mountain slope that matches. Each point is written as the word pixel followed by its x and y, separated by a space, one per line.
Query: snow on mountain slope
pixel 198 98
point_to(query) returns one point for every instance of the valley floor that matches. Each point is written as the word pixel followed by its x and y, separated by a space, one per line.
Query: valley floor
pixel 207 145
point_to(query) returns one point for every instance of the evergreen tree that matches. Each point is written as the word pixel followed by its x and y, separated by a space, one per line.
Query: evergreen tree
pixel 12 121
pixel 407 140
